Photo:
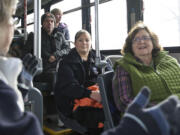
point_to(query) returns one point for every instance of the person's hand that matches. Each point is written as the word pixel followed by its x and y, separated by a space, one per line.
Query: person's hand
pixel 52 59
pixel 30 64
pixel 29 70
pixel 96 95
pixel 154 120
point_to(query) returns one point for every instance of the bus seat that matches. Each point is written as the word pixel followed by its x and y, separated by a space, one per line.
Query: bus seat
pixel 46 82
pixel 113 58
pixel 35 103
pixel 112 115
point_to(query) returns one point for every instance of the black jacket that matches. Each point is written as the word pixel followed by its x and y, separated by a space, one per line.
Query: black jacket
pixel 54 44
pixel 73 80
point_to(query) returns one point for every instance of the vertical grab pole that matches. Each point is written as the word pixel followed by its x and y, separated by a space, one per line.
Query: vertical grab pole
pixel 37 32
pixel 98 61
pixel 35 94
pixel 25 21
pixel 98 56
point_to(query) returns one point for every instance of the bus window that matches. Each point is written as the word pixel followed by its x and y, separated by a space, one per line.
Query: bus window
pixel 30 21
pixel 112 24
pixel 164 19
pixel 30 28
pixel 74 22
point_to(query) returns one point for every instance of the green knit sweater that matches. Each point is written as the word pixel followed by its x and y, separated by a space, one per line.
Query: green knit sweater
pixel 163 81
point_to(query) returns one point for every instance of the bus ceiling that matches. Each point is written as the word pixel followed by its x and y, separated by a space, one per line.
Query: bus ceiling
pixel 45 5
pixel 30 5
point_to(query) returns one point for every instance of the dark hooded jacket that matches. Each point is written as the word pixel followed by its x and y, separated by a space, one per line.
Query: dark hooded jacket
pixel 74 76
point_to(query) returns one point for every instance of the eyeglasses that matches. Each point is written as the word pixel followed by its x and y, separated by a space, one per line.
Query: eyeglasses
pixel 14 20
pixel 144 38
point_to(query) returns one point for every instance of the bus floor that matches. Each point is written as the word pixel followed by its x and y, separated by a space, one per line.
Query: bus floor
pixel 51 126
pixel 50 118
pixel 53 129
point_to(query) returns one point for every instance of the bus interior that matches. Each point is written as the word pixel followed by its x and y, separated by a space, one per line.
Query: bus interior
pixel 108 21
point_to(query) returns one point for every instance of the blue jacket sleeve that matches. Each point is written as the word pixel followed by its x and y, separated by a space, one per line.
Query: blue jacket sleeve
pixel 126 127
pixel 12 119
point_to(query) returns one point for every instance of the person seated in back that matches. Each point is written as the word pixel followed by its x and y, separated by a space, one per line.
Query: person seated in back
pixel 76 93
pixel 53 48
pixel 53 43
pixel 60 26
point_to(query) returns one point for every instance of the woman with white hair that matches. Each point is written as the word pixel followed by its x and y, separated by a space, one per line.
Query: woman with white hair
pixel 60 26
pixel 14 120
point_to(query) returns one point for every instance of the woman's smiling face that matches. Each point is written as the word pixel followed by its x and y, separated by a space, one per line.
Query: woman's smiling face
pixel 83 43
pixel 142 44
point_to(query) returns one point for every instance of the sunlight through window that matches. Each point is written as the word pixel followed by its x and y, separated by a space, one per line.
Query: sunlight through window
pixel 163 16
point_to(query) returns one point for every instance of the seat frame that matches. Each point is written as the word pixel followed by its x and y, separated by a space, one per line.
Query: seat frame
pixel 35 101
pixel 105 84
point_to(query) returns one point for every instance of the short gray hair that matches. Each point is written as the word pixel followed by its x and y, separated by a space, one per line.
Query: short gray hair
pixel 56 11
pixel 47 15
pixel 5 7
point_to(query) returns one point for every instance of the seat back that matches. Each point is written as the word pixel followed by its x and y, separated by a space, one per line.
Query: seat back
pixel 112 116
pixel 35 100
pixel 113 58
pixel 46 81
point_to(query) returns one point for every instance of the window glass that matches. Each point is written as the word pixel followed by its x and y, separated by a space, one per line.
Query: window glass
pixel 30 28
pixel 30 19
pixel 164 20
pixel 74 22
pixel 112 24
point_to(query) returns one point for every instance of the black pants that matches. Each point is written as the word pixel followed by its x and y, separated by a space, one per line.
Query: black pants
pixel 89 116
pixel 47 77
